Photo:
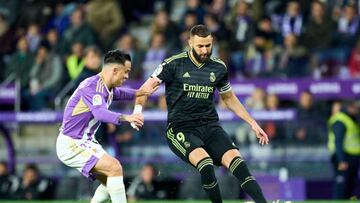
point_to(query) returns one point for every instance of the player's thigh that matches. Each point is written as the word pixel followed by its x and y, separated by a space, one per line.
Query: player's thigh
pixel 218 143
pixel 182 142
pixel 108 166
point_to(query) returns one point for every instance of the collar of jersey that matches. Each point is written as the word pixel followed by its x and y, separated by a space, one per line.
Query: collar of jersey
pixel 103 81
pixel 197 64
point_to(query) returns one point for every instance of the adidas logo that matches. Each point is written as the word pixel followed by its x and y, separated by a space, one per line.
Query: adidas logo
pixel 186 75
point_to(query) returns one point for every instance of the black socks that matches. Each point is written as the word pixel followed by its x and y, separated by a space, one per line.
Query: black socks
pixel 248 183
pixel 208 179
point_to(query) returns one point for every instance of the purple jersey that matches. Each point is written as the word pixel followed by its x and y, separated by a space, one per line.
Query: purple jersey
pixel 89 105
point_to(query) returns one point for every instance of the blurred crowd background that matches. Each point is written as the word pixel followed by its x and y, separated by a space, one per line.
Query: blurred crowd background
pixel 48 47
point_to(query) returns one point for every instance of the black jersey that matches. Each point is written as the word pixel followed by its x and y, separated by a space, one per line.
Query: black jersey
pixel 190 87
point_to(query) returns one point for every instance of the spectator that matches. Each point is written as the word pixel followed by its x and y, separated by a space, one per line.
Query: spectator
pixel 196 7
pixel 257 60
pixel 348 27
pixel 292 58
pixel 275 130
pixel 244 134
pixel 52 38
pixel 318 37
pixel 92 61
pixel 219 8
pixel 61 20
pixel 78 31
pixel 33 37
pixel 128 44
pixel 309 121
pixel 266 30
pixel 9 10
pixel 106 18
pixel 242 31
pixel 144 185
pixel 7 42
pixel 46 75
pixel 8 183
pixel 75 62
pixel 354 61
pixel 163 24
pixel 292 22
pixel 32 185
pixel 318 33
pixel 20 62
pixel 190 20
pixel 344 146
pixel 344 39
pixel 217 28
pixel 29 12
pixel 256 101
pixel 335 107
pixel 155 55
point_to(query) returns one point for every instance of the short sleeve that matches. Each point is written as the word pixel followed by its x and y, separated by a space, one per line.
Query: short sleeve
pixel 164 72
pixel 224 85
pixel 93 99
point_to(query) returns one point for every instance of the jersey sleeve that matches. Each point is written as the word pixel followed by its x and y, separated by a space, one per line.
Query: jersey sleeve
pixel 164 72
pixel 121 93
pixel 224 85
pixel 98 107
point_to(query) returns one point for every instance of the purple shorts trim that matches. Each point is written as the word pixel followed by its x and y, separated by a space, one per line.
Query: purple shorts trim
pixel 88 166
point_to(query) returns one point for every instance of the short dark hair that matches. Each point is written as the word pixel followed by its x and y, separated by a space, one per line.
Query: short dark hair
pixel 2 162
pixel 153 167
pixel 200 30
pixel 32 167
pixel 116 56
pixel 92 48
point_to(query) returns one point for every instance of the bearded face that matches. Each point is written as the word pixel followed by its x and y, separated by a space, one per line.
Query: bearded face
pixel 201 58
pixel 201 48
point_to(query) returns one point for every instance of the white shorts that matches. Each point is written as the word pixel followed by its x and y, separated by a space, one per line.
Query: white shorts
pixel 79 154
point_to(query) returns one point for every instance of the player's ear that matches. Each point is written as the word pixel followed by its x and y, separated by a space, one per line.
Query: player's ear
pixel 115 69
pixel 190 41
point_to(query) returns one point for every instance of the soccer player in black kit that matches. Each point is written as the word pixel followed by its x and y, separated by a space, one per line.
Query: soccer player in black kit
pixel 193 131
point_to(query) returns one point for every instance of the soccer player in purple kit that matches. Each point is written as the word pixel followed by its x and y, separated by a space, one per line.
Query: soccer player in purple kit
pixel 76 145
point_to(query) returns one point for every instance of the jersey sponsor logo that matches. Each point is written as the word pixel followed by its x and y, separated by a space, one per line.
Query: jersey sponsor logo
pixel 96 100
pixel 186 75
pixel 198 91
pixel 212 77
pixel 157 71
pixel 198 88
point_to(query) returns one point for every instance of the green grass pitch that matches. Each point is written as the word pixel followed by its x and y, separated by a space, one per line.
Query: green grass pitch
pixel 169 201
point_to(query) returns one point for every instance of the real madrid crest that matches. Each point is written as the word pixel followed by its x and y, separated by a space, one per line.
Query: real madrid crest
pixel 212 77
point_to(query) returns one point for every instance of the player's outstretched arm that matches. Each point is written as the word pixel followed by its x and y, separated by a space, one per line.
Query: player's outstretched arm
pixel 149 87
pixel 233 103
pixel 121 93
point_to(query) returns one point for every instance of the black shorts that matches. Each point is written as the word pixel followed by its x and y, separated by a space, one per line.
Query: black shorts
pixel 184 138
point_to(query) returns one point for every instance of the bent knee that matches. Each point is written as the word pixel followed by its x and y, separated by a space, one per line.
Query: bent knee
pixel 115 168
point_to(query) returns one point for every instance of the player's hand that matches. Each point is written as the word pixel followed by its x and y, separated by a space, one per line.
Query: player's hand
pixel 343 166
pixel 135 119
pixel 149 87
pixel 260 133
